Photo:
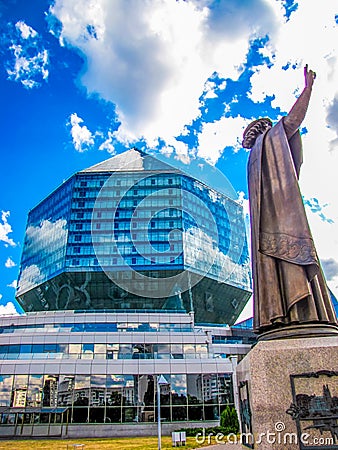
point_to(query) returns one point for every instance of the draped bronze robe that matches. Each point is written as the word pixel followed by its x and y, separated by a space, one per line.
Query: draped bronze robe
pixel 289 286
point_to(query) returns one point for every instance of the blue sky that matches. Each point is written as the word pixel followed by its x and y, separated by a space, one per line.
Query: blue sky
pixel 81 81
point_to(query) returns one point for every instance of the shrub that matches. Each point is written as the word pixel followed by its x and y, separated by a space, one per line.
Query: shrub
pixel 229 420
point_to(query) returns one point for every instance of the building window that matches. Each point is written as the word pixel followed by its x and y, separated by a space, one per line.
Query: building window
pixel 98 226
pixel 79 215
pixel 133 260
pixel 78 238
pixel 78 226
pixel 83 183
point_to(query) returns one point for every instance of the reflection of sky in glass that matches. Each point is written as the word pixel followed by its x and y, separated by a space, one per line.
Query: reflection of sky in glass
pixel 5 389
pixel 198 168
pixel 82 381
pixel 178 384
pixel 46 238
pixel 98 380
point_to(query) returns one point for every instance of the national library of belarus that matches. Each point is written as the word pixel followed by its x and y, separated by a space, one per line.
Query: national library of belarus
pixel 130 270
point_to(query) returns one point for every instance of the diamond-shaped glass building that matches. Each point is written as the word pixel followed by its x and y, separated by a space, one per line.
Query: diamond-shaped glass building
pixel 134 233
pixel 132 271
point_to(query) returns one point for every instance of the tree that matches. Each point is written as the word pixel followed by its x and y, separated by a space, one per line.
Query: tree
pixel 229 420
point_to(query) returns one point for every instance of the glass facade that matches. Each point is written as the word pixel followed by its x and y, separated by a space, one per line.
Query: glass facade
pixel 103 350
pixel 135 233
pixel 112 398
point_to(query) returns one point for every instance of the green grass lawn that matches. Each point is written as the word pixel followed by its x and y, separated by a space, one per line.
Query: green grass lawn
pixel 144 443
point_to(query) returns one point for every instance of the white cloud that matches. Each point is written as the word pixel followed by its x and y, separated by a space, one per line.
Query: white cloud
pixel 108 144
pixel 157 72
pixel 82 137
pixel 13 284
pixel 247 312
pixel 29 60
pixel 8 309
pixel 215 136
pixel 6 229
pixel 9 263
pixel 26 31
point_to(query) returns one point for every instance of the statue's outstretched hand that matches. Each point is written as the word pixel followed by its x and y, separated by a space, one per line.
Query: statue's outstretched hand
pixel 310 76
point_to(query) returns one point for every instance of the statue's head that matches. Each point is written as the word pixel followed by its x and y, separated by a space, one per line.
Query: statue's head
pixel 254 129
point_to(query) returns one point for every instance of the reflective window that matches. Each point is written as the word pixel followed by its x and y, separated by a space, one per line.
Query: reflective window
pixel 6 382
pixel 116 398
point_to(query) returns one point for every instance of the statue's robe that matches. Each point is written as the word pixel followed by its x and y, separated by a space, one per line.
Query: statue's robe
pixel 289 286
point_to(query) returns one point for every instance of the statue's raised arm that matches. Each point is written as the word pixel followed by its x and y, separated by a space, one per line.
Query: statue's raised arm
pixel 290 293
pixel 297 113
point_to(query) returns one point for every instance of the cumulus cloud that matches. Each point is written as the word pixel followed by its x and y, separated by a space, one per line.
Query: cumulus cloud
pixel 81 136
pixel 330 267
pixel 9 263
pixel 215 136
pixel 6 229
pixel 157 72
pixel 8 309
pixel 332 122
pixel 26 30
pixel 108 144
pixel 27 60
pixel 13 284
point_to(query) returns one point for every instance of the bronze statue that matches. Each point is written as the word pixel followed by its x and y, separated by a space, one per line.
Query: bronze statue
pixel 290 293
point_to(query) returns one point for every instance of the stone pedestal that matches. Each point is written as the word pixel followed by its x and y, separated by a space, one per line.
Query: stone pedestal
pixel 289 394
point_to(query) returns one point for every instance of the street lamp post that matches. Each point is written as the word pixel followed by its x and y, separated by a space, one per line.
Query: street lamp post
pixel 161 381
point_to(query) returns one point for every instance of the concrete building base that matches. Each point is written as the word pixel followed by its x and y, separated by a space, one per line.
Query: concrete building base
pixel 289 394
